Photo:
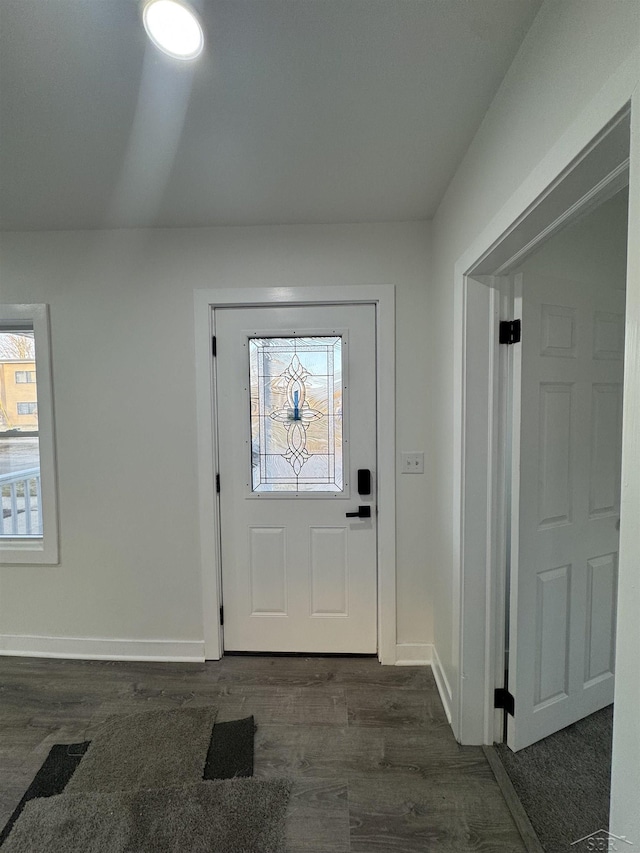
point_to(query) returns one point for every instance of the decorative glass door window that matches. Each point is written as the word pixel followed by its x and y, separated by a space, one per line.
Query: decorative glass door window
pixel 296 414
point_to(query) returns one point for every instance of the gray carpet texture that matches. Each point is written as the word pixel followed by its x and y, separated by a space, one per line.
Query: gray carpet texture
pixel 230 756
pixel 231 816
pixel 52 778
pixel 147 750
pixel 563 781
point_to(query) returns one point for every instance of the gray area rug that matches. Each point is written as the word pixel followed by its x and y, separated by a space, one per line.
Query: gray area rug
pixel 230 756
pixel 563 781
pixel 52 778
pixel 147 750
pixel 232 816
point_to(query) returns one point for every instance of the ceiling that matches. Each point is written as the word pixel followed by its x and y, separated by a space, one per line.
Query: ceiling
pixel 300 111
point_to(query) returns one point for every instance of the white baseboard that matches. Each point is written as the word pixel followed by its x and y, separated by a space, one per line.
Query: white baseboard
pixel 444 688
pixel 93 648
pixel 413 654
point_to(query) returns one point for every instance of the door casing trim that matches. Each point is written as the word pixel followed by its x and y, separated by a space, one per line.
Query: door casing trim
pixel 205 301
pixel 478 493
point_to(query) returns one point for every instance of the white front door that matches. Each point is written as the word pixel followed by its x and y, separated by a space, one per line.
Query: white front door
pixel 566 503
pixel 296 411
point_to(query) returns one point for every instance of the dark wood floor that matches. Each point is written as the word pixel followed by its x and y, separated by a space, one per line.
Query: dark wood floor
pixel 374 763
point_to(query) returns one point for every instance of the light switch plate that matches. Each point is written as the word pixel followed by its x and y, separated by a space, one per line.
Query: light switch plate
pixel 412 463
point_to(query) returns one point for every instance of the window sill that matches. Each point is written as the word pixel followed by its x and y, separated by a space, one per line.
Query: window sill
pixel 27 552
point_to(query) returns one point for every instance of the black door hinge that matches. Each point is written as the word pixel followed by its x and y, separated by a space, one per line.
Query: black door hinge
pixel 503 699
pixel 218 483
pixel 510 332
pixel 214 346
pixel 222 615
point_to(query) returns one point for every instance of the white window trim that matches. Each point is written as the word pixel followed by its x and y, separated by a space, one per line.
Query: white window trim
pixel 42 550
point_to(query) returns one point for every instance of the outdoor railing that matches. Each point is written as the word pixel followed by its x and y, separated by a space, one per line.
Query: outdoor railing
pixel 21 503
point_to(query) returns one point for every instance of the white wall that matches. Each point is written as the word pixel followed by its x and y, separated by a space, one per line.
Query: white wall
pixel 123 363
pixel 577 66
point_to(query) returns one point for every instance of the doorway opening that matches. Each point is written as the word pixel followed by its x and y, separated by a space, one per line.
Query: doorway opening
pixel 563 425
pixel 545 623
pixel 563 434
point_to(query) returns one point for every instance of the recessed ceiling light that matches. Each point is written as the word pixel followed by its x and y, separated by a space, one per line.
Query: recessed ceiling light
pixel 174 28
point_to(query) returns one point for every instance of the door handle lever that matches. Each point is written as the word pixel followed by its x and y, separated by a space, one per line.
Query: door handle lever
pixel 363 512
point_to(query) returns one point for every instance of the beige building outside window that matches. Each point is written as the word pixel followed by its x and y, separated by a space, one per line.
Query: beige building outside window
pixel 17 388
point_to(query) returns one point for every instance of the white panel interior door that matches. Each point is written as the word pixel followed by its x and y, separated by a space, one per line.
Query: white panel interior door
pixel 566 498
pixel 296 410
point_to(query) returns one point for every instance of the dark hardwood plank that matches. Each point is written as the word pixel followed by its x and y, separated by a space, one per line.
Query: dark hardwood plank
pixel 293 706
pixel 321 672
pixel 9 799
pixel 327 752
pixel 451 816
pixel 318 817
pixel 374 764
pixel 393 707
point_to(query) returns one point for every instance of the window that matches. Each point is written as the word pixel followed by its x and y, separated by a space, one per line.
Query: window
pixel 28 522
pixel 296 414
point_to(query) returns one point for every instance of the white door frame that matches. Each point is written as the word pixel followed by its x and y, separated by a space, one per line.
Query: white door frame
pixel 383 297
pixel 588 165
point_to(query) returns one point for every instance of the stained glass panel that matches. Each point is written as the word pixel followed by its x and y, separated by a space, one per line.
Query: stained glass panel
pixel 296 414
